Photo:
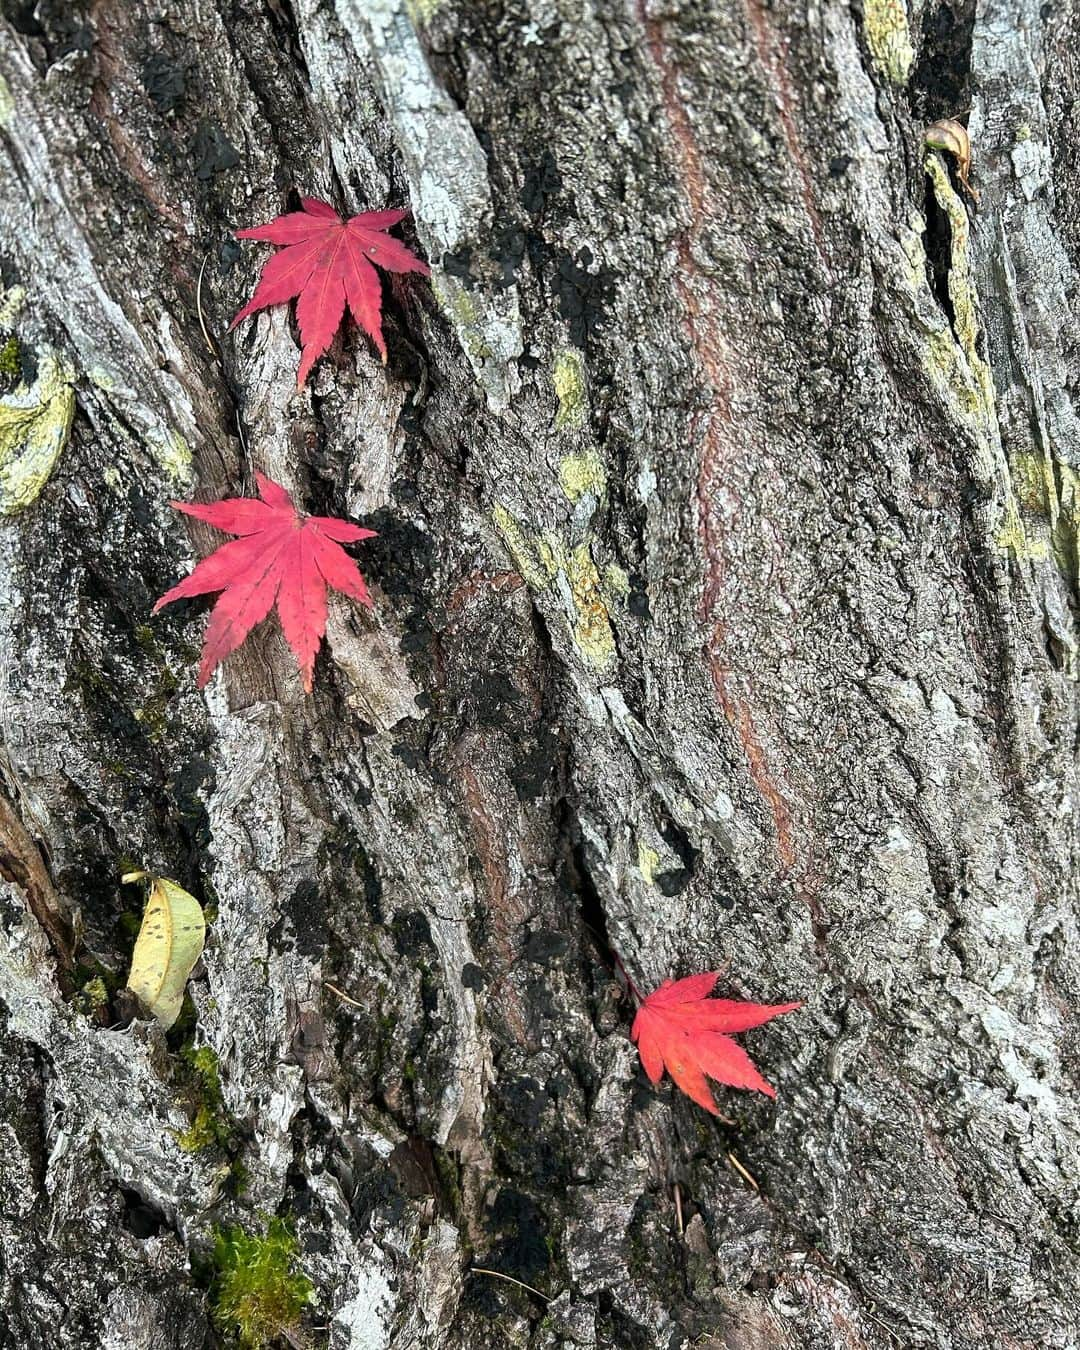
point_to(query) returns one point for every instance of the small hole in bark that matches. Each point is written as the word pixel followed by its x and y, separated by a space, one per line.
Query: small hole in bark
pixel 941 84
pixel 676 879
pixel 140 1218
pixel 590 905
pixel 938 249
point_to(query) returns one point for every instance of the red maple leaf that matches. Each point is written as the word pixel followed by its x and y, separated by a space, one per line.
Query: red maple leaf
pixel 679 1028
pixel 282 557
pixel 327 262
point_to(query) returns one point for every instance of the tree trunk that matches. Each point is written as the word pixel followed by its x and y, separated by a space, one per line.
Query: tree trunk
pixel 727 481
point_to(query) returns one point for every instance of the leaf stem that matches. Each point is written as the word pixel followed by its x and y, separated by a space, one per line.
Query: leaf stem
pixel 483 1270
pixel 634 990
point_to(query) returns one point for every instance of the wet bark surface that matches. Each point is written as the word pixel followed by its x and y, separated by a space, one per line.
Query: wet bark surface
pixel 726 481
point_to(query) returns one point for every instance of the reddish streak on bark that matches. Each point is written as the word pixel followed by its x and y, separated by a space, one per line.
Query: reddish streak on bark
pixel 738 714
pixel 125 147
pixel 505 909
pixel 709 342
pixel 502 582
pixel 705 332
pixel 775 68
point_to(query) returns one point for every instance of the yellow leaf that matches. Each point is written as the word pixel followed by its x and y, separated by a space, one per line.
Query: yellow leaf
pixel 170 941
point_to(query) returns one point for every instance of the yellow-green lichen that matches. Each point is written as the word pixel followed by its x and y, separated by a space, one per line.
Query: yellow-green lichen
pixel 519 548
pixel 911 236
pixel 943 359
pixel 11 303
pixel 961 290
pixel 1045 489
pixel 568 377
pixel 648 860
pixel 911 241
pixel 172 452
pixel 1065 523
pixel 943 362
pixel 1049 492
pixel 547 557
pixel 1036 486
pixel 592 624
pixel 955 367
pixel 580 475
pixel 102 378
pixel 35 423
pixel 10 361
pixel 952 359
pixel 464 313
pixel 96 992
pixel 548 561
pixel 888 36
pixel 1012 536
pixel 7 102
pixel 423 11
pixel 616 582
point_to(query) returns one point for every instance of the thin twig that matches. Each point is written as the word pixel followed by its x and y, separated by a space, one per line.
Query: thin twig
pixel 215 352
pixel 678 1210
pixel 198 307
pixel 342 995
pixel 742 1171
pixel 482 1270
pixel 239 425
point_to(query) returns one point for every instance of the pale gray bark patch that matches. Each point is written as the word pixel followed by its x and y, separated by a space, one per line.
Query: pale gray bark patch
pixel 725 594
pixel 448 184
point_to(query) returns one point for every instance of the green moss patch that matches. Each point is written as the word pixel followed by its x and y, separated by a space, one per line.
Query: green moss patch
pixel 257 1292
pixel 210 1125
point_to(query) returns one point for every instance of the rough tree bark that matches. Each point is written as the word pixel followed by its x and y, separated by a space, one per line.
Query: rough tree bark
pixel 727 485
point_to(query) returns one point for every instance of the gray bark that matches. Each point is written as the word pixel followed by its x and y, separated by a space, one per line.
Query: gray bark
pixel 726 477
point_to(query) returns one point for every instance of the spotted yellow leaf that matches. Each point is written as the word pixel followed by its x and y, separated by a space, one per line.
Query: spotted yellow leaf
pixel 170 941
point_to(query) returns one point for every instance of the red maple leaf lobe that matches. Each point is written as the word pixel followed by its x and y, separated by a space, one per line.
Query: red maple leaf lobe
pixel 679 1028
pixel 282 558
pixel 327 262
